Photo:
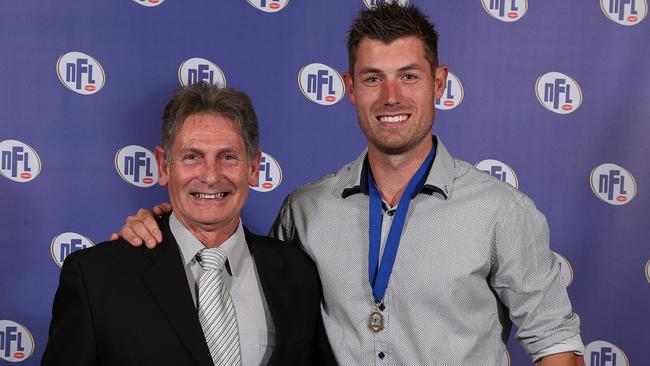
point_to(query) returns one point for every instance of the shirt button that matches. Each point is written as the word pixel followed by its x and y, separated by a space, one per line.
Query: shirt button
pixel 390 212
pixel 381 355
pixel 382 307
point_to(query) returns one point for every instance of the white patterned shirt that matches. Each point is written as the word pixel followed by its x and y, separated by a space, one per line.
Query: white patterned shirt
pixel 473 259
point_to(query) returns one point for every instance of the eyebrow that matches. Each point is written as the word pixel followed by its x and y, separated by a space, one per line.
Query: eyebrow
pixel 374 70
pixel 189 150
pixel 199 151
pixel 410 67
pixel 370 70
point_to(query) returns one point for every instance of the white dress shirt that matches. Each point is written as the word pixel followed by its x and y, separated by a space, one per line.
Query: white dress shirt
pixel 256 330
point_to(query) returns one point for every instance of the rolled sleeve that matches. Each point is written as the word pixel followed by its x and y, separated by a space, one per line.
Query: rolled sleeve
pixel 573 344
pixel 528 280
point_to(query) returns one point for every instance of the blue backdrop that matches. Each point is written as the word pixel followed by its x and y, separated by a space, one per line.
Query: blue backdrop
pixel 553 94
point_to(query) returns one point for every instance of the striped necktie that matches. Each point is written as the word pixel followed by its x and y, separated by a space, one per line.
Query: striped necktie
pixel 216 310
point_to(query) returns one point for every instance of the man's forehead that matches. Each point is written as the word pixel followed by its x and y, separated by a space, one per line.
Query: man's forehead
pixel 405 50
pixel 209 127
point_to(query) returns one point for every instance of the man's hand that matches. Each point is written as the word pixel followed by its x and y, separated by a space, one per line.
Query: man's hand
pixel 143 226
pixel 561 359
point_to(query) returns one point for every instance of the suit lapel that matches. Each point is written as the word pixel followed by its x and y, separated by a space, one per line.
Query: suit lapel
pixel 269 267
pixel 167 282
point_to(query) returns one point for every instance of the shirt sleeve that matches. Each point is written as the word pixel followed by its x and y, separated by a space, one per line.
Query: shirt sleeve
pixel 526 277
pixel 573 344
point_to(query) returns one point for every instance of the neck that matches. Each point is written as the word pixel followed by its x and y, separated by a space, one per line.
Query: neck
pixel 392 173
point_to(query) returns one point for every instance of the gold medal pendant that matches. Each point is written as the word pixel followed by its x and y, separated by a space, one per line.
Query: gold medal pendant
pixel 376 321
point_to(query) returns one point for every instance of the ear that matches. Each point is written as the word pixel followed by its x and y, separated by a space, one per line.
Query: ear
pixel 440 81
pixel 163 166
pixel 254 170
pixel 349 85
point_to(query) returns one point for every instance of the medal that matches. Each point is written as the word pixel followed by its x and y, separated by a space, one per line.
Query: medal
pixel 376 321
pixel 379 271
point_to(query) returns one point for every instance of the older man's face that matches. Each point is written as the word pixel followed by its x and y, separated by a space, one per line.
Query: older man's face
pixel 208 172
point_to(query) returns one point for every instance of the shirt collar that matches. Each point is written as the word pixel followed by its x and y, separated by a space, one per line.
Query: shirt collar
pixel 190 246
pixel 439 179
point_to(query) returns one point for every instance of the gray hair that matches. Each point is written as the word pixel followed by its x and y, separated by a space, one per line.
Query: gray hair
pixel 204 98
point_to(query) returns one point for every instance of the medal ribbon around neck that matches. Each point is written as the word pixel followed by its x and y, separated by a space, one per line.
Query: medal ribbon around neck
pixel 379 273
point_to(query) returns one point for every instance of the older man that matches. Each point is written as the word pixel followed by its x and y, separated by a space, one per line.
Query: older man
pixel 453 256
pixel 211 292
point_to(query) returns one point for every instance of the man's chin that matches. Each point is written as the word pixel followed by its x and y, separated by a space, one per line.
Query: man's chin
pixel 396 148
pixel 206 221
pixel 399 145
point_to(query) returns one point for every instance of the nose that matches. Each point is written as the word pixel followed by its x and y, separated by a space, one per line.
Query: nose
pixel 391 92
pixel 210 172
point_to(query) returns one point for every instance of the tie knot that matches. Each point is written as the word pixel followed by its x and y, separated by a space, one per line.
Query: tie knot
pixel 213 258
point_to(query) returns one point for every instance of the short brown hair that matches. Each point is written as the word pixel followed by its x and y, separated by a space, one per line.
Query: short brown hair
pixel 388 22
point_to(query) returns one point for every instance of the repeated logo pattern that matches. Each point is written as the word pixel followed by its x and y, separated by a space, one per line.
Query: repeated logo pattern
pixel 499 170
pixel 16 342
pixel 65 244
pixel 454 93
pixel 613 184
pixel 603 353
pixel 197 70
pixel 506 10
pixel 269 6
pixel 80 73
pixel 149 3
pixel 321 84
pixel 558 93
pixel 270 174
pixel 565 269
pixel 87 68
pixel 19 161
pixel 137 166
pixel 625 12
